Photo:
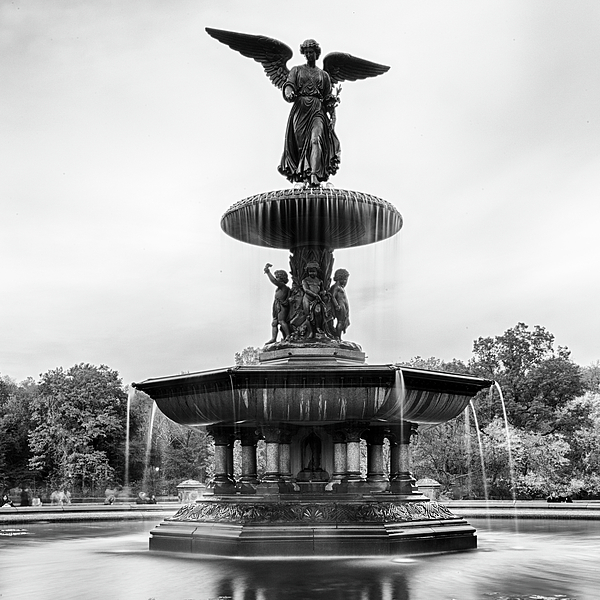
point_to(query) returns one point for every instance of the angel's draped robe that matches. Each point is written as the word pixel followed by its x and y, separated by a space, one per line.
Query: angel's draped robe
pixel 311 146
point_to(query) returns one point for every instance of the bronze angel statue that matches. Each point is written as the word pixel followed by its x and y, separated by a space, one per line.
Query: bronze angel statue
pixel 311 151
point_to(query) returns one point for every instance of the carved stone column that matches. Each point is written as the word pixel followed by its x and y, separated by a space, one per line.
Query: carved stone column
pixel 401 478
pixel 248 479
pixel 269 483
pixel 271 435
pixel 353 436
pixel 285 464
pixel 224 438
pixel 376 478
pixel 339 454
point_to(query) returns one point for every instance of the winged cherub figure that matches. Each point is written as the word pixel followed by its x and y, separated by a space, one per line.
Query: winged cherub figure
pixel 311 152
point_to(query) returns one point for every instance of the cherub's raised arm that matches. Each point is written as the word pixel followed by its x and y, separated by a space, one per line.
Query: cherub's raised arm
pixel 272 279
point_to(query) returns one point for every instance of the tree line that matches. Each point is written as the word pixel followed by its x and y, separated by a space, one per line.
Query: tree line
pixel 550 444
pixel 67 430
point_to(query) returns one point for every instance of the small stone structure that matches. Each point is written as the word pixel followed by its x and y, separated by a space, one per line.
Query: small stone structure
pixel 430 488
pixel 190 490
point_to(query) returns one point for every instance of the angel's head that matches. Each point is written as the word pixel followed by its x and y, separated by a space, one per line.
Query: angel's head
pixel 310 45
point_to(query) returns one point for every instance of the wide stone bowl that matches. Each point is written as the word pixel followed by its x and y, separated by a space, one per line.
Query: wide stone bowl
pixel 312 394
pixel 311 217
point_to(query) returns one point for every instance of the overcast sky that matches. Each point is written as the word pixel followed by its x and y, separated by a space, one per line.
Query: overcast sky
pixel 126 133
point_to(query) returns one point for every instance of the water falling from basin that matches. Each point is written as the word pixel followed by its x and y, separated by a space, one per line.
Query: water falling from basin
pixel 511 463
pixel 481 457
pixel 130 396
pixel 148 452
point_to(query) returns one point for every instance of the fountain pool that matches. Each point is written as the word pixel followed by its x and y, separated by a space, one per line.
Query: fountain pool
pixel 547 559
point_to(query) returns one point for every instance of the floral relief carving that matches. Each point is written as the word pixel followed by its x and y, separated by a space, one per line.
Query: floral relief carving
pixel 310 512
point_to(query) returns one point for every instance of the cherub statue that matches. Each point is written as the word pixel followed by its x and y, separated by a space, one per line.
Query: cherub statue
pixel 315 302
pixel 281 303
pixel 311 151
pixel 341 308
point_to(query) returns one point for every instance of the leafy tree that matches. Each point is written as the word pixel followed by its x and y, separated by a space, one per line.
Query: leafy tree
pixel 437 364
pixel 185 453
pixel 552 426
pixel 444 452
pixel 248 356
pixel 591 377
pixel 164 453
pixel 537 379
pixel 540 464
pixel 15 417
pixel 78 425
pixel 585 449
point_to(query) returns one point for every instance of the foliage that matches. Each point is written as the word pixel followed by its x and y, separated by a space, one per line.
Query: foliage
pixel 183 452
pixel 78 422
pixel 537 379
pixel 15 415
pixel 436 364
pixel 69 428
pixel 591 377
pixel 248 356
pixel 554 428
pixel 586 442
pixel 444 453
pixel 163 453
pixel 539 462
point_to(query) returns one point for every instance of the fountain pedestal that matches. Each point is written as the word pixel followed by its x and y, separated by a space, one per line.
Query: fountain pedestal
pixel 313 400
pixel 286 525
pixel 313 498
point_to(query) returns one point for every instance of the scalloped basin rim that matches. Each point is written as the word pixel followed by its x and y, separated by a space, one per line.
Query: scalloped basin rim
pixel 389 370
pixel 329 217
pixel 313 394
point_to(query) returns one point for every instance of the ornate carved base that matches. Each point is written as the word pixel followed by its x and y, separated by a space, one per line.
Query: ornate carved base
pixel 307 528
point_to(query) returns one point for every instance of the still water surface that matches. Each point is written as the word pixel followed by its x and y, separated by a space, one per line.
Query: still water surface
pixel 545 559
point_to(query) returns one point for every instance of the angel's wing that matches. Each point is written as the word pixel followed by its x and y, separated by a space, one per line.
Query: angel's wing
pixel 345 67
pixel 271 54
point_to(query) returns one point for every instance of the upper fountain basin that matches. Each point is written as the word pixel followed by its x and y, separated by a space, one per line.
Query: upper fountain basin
pixel 312 394
pixel 311 217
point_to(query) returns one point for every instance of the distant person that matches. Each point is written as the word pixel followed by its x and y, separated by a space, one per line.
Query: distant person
pixel 110 495
pixel 25 499
pixel 6 501
pixel 60 497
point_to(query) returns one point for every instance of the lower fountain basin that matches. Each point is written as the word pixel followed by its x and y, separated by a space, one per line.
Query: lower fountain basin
pixel 291 527
pixel 311 393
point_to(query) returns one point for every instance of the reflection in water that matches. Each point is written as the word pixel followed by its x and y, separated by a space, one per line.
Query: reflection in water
pixel 550 559
pixel 274 580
